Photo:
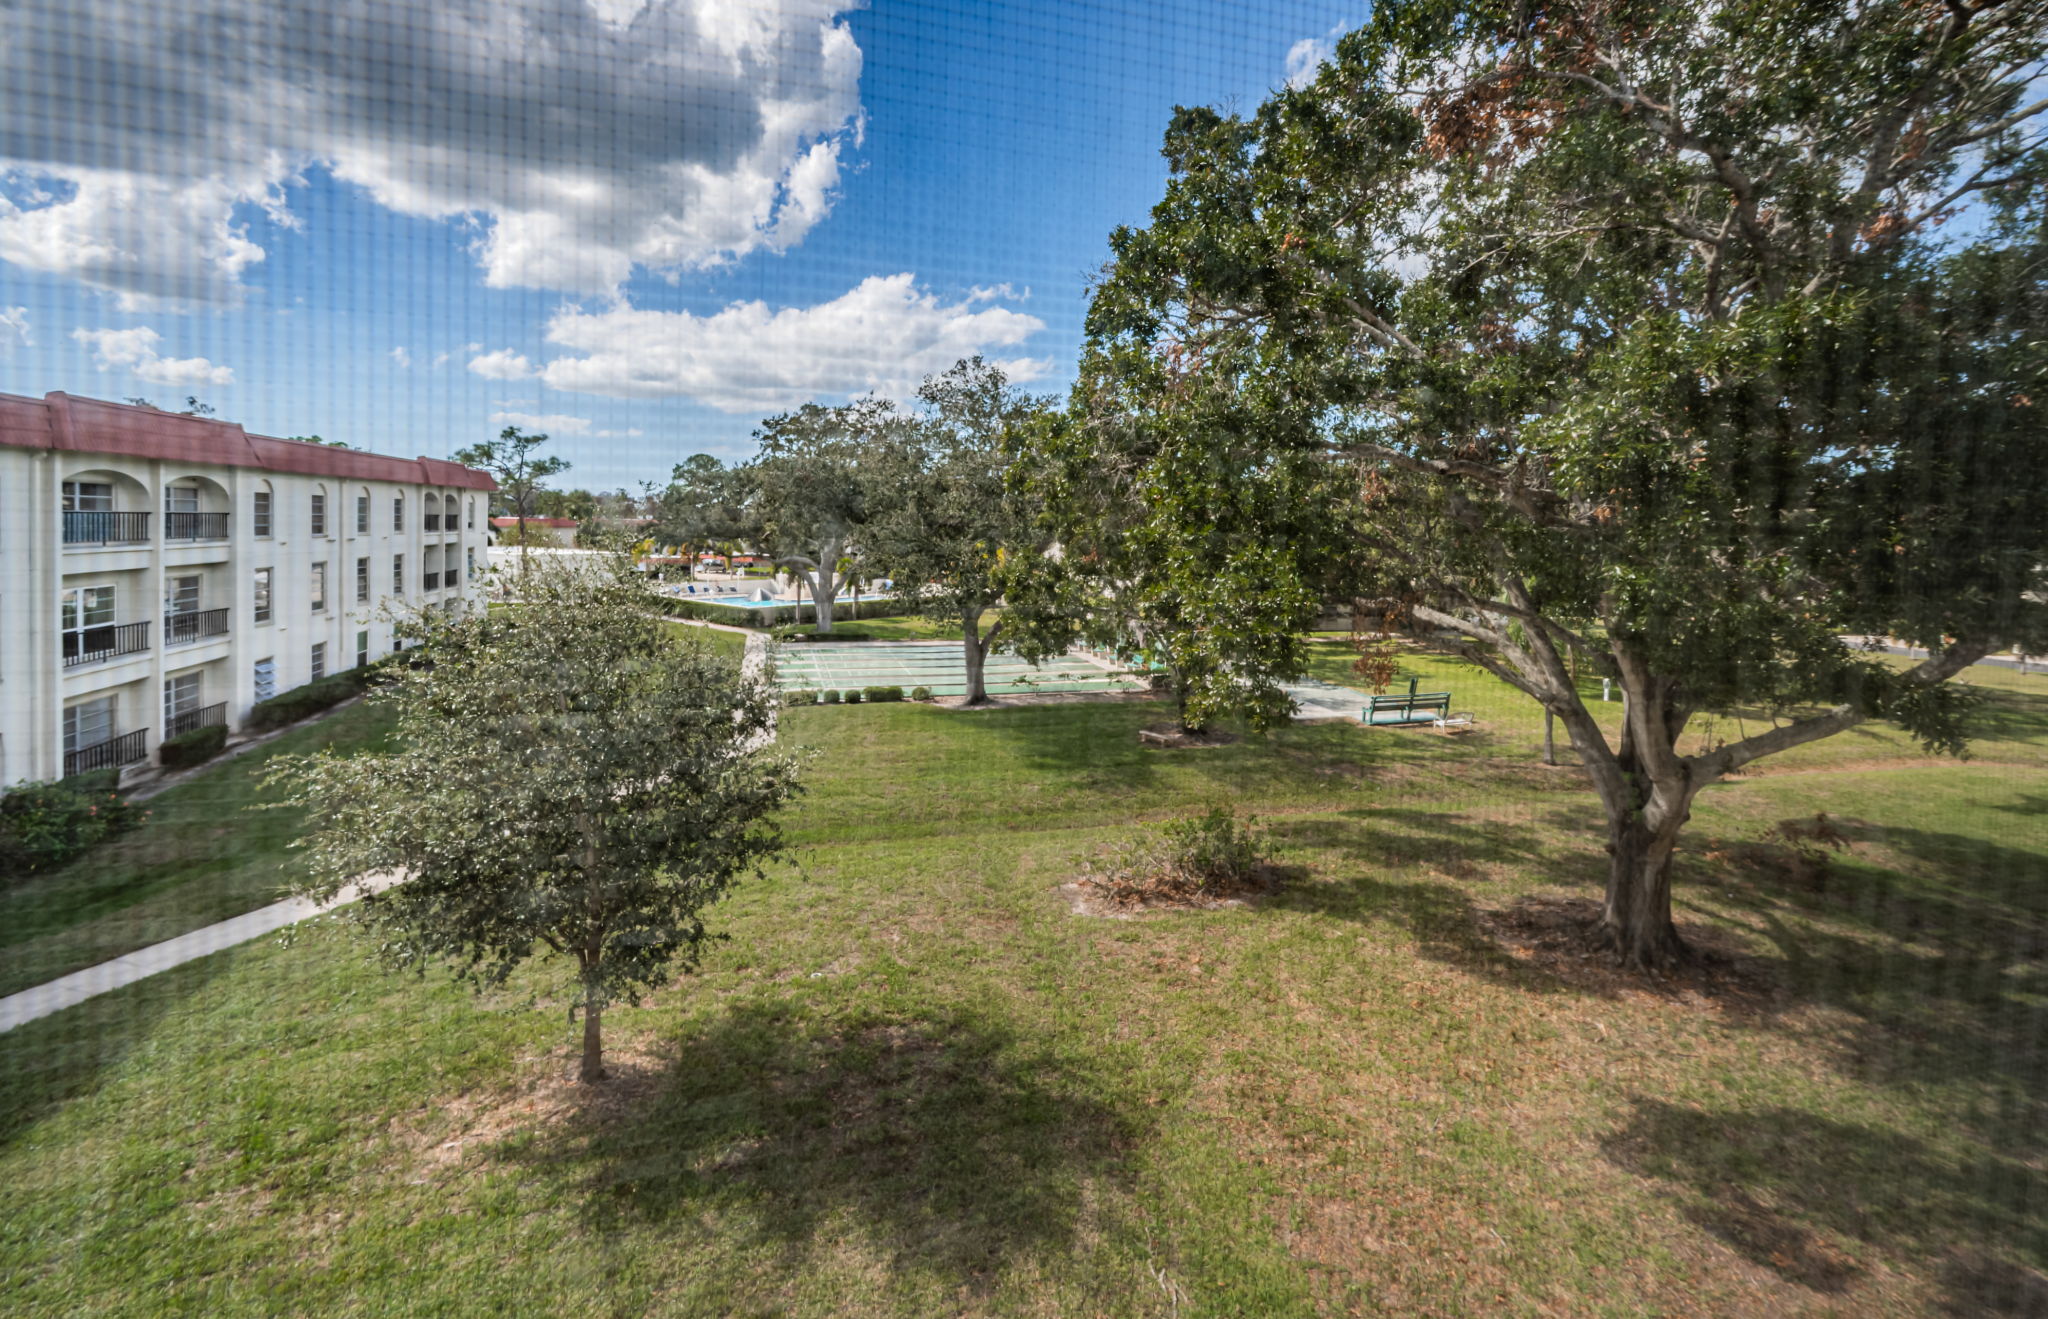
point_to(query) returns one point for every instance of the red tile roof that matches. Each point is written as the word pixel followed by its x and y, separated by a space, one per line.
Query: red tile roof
pixel 90 425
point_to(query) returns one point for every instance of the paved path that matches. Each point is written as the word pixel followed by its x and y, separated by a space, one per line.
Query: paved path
pixel 69 991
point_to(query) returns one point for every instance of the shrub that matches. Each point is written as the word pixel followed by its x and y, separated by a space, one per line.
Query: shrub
pixel 301 702
pixel 43 825
pixel 831 696
pixel 195 747
pixel 920 693
pixel 874 695
pixel 800 696
pixel 1194 857
pixel 851 696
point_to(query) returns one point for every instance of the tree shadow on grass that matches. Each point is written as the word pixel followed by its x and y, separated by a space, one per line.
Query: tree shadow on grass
pixel 1783 1186
pixel 46 1064
pixel 951 1144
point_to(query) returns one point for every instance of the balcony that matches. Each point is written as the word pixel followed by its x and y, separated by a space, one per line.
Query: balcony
pixel 104 528
pixel 191 719
pixel 92 645
pixel 195 526
pixel 113 753
pixel 434 522
pixel 197 625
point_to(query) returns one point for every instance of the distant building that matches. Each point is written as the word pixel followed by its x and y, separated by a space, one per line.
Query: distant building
pixel 559 532
pixel 165 572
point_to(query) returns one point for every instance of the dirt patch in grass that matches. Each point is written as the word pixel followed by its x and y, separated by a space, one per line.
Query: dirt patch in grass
pixel 1560 937
pixel 1088 899
pixel 544 1094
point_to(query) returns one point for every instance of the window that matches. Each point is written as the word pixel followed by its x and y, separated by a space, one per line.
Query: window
pixel 88 606
pixel 266 678
pixel 398 512
pixel 259 515
pixel 398 574
pixel 472 512
pixel 182 497
pixel 362 648
pixel 181 595
pixel 362 515
pixel 362 581
pixel 319 662
pixel 319 587
pixel 88 497
pixel 319 515
pixel 263 595
pixel 88 724
pixel 469 564
pixel 448 502
pixel 181 696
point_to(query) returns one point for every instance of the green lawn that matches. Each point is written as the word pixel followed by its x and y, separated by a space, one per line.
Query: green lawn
pixel 915 1083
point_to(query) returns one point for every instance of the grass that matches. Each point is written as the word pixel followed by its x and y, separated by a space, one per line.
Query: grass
pixel 202 856
pixel 914 1082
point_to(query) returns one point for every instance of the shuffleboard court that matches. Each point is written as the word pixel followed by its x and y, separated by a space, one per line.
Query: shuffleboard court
pixel 939 665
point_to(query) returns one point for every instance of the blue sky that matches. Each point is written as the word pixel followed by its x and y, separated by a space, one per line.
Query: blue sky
pixel 468 234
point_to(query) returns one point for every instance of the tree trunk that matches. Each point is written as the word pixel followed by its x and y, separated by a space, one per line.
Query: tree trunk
pixel 821 601
pixel 977 691
pixel 1637 915
pixel 1549 737
pixel 593 1043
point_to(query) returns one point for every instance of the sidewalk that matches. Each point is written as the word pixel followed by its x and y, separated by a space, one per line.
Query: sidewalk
pixel 69 991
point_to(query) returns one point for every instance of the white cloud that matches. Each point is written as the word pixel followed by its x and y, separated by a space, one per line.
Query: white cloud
pixel 401 356
pixel 14 329
pixel 583 138
pixel 504 364
pixel 441 360
pixel 885 335
pixel 1306 57
pixel 551 422
pixel 135 350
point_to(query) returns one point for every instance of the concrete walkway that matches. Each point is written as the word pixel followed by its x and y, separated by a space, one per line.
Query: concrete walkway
pixel 69 991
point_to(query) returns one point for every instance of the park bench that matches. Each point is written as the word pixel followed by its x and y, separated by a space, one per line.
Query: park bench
pixel 1412 708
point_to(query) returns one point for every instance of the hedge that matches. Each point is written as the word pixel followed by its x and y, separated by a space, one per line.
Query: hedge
pixel 43 825
pixel 878 694
pixel 800 696
pixel 195 747
pixel 851 696
pixel 920 693
pixel 300 702
pixel 830 696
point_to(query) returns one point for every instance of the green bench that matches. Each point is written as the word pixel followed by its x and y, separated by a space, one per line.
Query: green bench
pixel 1413 708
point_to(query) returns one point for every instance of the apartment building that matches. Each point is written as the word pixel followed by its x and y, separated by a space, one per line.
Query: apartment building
pixel 159 572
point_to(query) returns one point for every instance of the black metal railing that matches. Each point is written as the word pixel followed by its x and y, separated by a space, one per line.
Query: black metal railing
pixel 433 522
pixel 112 753
pixel 195 625
pixel 191 719
pixel 431 581
pixel 452 577
pixel 105 528
pixel 93 644
pixel 195 526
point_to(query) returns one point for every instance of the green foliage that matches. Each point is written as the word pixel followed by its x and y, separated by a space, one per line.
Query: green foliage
pixel 878 693
pixel 920 693
pixel 44 825
pixel 810 490
pixel 800 696
pixel 830 696
pixel 520 472
pixel 639 787
pixel 194 747
pixel 851 696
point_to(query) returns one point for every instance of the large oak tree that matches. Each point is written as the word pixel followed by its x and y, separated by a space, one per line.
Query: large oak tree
pixel 1694 339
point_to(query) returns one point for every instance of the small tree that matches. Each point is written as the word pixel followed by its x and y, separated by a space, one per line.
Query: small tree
pixel 568 777
pixel 704 504
pixel 519 472
pixel 948 527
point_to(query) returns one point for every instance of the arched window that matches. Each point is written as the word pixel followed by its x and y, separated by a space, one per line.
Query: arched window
pixel 448 502
pixel 262 511
pixel 472 512
pixel 363 511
